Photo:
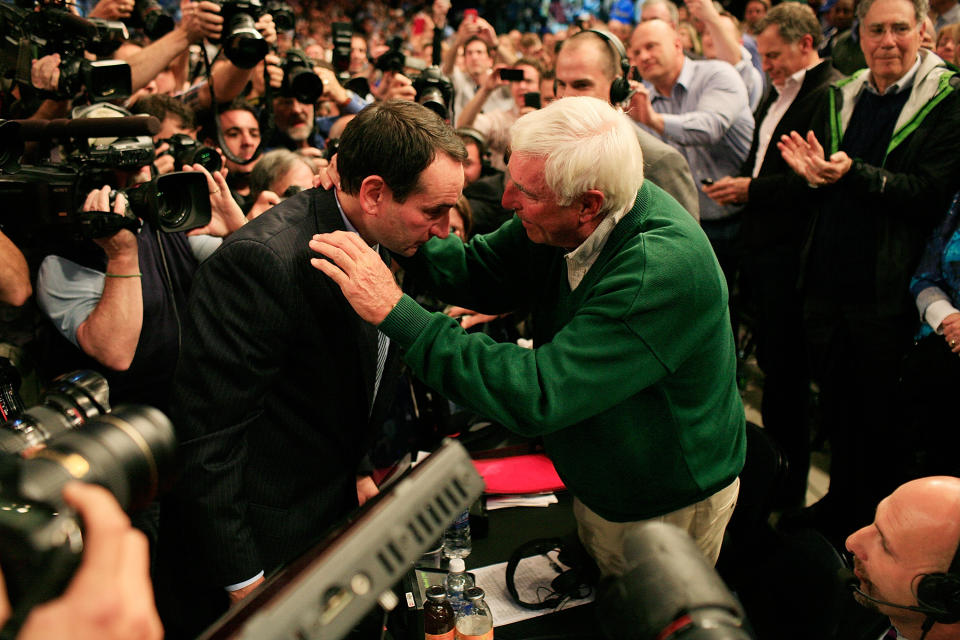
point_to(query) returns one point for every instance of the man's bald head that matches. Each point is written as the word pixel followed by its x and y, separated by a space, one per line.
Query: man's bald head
pixel 915 533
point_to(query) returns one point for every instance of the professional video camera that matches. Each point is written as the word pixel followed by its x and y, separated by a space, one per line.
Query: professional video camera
pixel 299 80
pixel 150 16
pixel 668 592
pixel 187 151
pixel 43 202
pixel 242 43
pixel 26 35
pixel 434 91
pixel 129 451
pixel 282 15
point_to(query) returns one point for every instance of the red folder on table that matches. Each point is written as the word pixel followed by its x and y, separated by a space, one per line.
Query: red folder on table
pixel 530 473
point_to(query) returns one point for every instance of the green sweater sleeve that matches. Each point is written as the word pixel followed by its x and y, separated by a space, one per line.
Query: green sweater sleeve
pixel 591 365
pixel 490 274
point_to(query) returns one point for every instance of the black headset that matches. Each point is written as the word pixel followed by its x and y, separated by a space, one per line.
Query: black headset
pixel 481 140
pixel 620 87
pixel 575 582
pixel 940 592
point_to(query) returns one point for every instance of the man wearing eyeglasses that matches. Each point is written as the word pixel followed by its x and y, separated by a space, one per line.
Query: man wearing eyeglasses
pixel 881 168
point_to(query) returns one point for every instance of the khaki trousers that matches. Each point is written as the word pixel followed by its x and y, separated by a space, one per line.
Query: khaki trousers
pixel 705 521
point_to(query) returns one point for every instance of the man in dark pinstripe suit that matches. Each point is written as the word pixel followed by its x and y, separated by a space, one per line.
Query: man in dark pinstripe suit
pixel 280 385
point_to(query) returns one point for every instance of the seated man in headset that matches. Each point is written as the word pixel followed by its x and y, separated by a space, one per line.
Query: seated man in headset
pixel 907 560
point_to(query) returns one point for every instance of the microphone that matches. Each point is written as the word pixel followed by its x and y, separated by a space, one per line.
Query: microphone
pixel 851 582
pixel 127 127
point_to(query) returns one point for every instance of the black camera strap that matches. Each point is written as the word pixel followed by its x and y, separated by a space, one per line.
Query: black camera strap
pixel 265 119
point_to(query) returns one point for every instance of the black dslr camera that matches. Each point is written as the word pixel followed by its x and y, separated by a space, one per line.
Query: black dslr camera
pixel 242 43
pixel 73 435
pixel 187 151
pixel 299 80
pixel 434 91
pixel 26 35
pixel 150 16
pixel 393 59
pixel 282 15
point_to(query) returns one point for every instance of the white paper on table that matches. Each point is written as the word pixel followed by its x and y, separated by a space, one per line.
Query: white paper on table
pixel 531 572
pixel 521 500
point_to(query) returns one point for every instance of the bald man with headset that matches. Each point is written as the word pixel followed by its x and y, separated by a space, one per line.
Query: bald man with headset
pixel 907 561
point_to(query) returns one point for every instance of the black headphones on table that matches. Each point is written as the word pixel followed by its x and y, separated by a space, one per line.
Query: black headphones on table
pixel 576 582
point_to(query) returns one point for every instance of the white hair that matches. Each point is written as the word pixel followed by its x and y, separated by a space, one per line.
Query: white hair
pixel 587 145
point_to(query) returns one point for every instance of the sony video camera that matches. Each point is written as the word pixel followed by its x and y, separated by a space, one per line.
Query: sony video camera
pixel 26 35
pixel 43 202
pixel 73 435
pixel 299 80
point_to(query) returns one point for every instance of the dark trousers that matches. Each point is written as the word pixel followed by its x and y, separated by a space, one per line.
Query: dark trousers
pixel 770 281
pixel 855 355
pixel 929 383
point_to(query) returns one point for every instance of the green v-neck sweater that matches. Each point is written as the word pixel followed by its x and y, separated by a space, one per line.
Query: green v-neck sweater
pixel 632 378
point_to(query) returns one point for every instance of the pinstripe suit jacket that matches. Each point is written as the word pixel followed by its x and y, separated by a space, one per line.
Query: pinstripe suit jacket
pixel 272 396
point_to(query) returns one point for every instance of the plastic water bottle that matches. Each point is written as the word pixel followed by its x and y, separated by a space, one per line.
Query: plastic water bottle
pixel 456 583
pixel 474 621
pixel 456 537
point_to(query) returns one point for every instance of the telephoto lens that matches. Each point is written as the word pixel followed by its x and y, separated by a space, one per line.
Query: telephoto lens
pixel 130 452
pixel 72 400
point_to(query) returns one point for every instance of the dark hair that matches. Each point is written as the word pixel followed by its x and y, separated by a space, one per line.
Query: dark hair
pixel 472 39
pixel 395 140
pixel 530 62
pixel 794 20
pixel 160 106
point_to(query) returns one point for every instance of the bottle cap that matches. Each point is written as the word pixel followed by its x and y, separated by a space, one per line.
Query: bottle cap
pixel 457 565
pixel 473 593
pixel 436 593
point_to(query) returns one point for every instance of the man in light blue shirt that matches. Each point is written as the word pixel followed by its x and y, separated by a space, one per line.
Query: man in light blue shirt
pixel 701 108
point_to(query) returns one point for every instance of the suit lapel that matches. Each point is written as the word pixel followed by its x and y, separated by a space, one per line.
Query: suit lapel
pixel 328 218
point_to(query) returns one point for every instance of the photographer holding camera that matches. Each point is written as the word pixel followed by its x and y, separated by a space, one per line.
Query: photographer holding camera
pixel 110 596
pixel 117 298
pixel 294 109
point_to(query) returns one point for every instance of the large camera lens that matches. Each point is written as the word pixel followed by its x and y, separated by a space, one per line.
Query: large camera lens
pixel 130 452
pixel 304 85
pixel 127 451
pixel 177 201
pixel 72 400
pixel 173 207
pixel 242 43
pixel 432 99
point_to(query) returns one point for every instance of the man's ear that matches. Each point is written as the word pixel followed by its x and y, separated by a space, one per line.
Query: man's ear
pixel 373 194
pixel 590 204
